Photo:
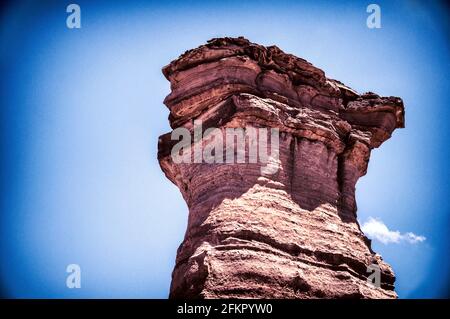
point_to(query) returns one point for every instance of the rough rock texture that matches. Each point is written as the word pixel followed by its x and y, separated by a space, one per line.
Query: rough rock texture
pixel 293 234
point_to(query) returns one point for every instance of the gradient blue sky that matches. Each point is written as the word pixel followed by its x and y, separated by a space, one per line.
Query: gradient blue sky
pixel 81 112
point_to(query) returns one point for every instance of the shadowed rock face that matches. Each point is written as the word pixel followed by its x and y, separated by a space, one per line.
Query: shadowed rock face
pixel 294 233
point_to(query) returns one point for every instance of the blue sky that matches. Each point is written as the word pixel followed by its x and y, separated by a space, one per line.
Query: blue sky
pixel 81 112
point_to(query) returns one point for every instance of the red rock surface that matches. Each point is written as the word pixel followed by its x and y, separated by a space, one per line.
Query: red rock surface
pixel 293 234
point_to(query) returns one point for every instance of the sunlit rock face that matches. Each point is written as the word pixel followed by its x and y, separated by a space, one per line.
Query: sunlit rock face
pixel 291 232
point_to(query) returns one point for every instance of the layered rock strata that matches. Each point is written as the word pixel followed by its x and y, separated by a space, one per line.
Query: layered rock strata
pixel 288 234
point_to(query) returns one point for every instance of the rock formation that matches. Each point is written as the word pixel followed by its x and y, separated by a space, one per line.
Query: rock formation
pixel 294 233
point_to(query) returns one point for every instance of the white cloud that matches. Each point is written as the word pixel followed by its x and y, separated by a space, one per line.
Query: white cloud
pixel 413 238
pixel 376 229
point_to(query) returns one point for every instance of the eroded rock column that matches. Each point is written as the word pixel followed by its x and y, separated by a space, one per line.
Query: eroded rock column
pixel 255 231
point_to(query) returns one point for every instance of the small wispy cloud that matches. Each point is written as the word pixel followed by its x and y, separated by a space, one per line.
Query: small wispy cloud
pixel 376 229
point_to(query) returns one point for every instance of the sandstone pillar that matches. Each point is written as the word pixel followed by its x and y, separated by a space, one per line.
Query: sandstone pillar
pixel 288 234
